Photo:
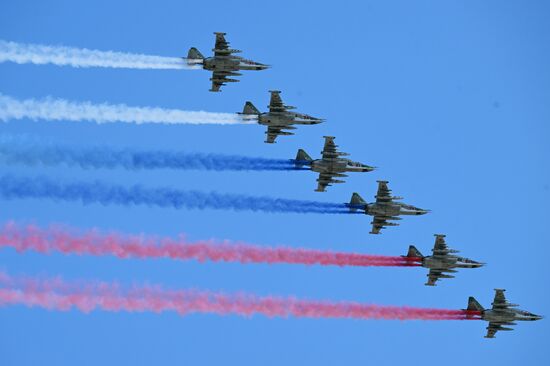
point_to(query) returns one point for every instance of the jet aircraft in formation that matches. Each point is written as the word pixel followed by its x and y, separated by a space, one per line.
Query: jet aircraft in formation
pixel 442 260
pixel 384 209
pixel 502 313
pixel 330 165
pixel 223 64
pixel 279 117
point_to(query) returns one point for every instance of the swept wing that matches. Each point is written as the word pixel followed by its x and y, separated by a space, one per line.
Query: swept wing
pixel 499 304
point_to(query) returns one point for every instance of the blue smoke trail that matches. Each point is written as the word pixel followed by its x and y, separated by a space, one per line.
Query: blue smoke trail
pixel 104 157
pixel 98 192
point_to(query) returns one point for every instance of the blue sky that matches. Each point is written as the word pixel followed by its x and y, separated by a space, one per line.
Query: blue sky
pixel 449 100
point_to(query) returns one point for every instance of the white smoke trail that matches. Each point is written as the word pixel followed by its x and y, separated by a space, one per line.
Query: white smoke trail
pixel 82 57
pixel 64 110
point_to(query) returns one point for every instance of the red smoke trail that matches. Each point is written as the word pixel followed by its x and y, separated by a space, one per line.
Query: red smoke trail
pixel 55 294
pixel 123 246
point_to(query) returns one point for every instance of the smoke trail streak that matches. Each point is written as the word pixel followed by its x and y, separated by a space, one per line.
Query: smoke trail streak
pixel 82 57
pixel 70 241
pixel 56 294
pixel 97 192
pixel 21 152
pixel 64 110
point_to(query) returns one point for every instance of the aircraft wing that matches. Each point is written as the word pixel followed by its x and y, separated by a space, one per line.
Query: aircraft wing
pixel 274 131
pixel 276 103
pixel 440 247
pixel 500 302
pixel 221 48
pixel 220 78
pixel 433 276
pixel 324 181
pixel 383 195
pixel 378 223
pixel 492 329
pixel 330 149
pixel 217 82
pixel 436 274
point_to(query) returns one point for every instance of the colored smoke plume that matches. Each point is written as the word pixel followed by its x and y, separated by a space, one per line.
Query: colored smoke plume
pixel 93 242
pixel 56 294
pixel 98 192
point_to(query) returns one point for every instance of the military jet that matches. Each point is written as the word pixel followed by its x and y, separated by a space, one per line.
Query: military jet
pixel 502 313
pixel 330 165
pixel 442 260
pixel 278 118
pixel 384 209
pixel 223 63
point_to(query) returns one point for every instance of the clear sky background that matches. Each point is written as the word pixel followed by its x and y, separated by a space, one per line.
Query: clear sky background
pixel 450 99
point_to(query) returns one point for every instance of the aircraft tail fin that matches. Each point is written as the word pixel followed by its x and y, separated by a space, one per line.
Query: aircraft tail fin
pixel 249 108
pixel 356 200
pixel 473 305
pixel 413 252
pixel 194 54
pixel 302 157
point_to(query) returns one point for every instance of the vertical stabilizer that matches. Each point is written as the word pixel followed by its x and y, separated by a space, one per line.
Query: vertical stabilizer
pixel 249 108
pixel 194 54
pixel 356 202
pixel 473 305
pixel 414 253
pixel 302 158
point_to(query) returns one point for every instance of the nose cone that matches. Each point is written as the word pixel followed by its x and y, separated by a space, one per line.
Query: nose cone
pixel 475 264
pixel 367 168
pixel 315 120
pixel 262 66
pixel 537 317
pixel 421 211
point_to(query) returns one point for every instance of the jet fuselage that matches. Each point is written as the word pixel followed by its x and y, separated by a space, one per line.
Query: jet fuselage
pixel 449 261
pixel 338 166
pixel 231 63
pixel 287 118
pixel 508 315
pixel 392 209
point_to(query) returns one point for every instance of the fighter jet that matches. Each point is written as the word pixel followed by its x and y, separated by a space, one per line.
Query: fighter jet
pixel 502 313
pixel 330 165
pixel 223 63
pixel 442 260
pixel 384 209
pixel 278 118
